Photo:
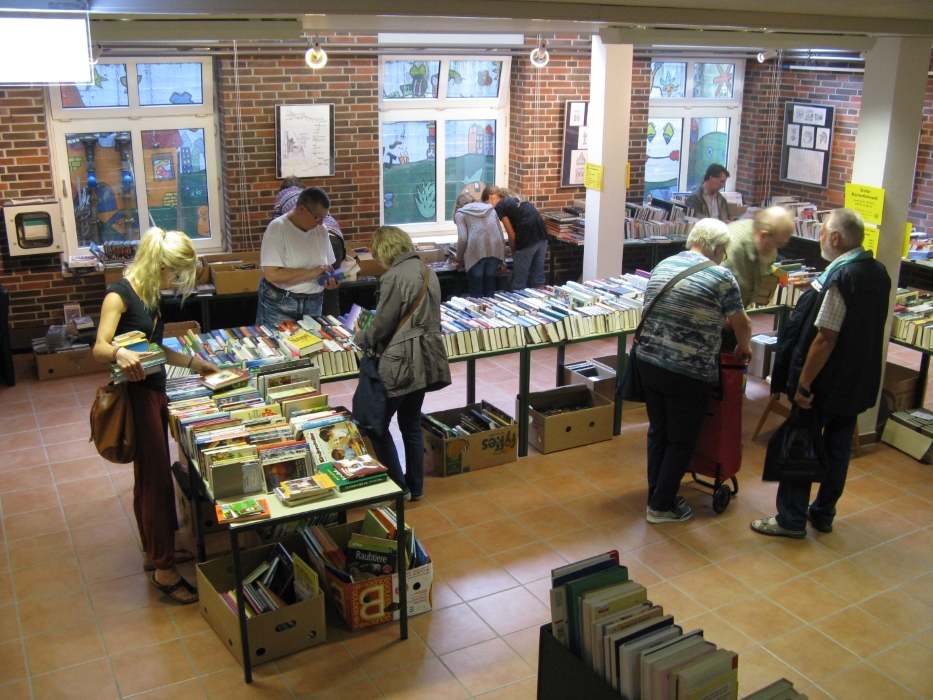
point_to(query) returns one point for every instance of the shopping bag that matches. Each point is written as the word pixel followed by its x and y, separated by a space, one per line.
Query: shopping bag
pixel 795 451
pixel 629 387
pixel 112 429
pixel 369 400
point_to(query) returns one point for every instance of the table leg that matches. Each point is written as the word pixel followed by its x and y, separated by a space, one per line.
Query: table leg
pixel 921 392
pixel 551 263
pixel 524 388
pixel 205 315
pixel 471 381
pixel 617 400
pixel 194 480
pixel 240 604
pixel 559 381
pixel 402 569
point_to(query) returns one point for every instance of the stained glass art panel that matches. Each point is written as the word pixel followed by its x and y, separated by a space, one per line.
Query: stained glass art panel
pixel 713 80
pixel 662 168
pixel 176 181
pixel 410 79
pixel 668 79
pixel 169 84
pixel 107 89
pixel 709 143
pixel 470 161
pixel 409 172
pixel 473 79
pixel 100 167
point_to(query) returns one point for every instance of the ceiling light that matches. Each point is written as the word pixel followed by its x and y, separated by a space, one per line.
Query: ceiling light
pixel 767 55
pixel 315 57
pixel 539 55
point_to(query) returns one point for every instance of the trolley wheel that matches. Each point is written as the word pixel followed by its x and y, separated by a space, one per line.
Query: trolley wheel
pixel 721 498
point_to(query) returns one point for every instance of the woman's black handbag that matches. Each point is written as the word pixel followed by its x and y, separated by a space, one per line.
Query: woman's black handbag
pixel 369 399
pixel 629 387
pixel 795 451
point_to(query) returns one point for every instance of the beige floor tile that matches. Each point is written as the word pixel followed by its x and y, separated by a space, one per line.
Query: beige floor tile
pixel 9 624
pixel 759 569
pixel 487 666
pixel 40 522
pixel 846 539
pixel 806 598
pixel 470 510
pixel 62 647
pixel 716 542
pixel 880 524
pixel 566 487
pixel 440 490
pixel 712 587
pixel 85 468
pixel 525 644
pixel 718 631
pixel 360 690
pixel 478 578
pixel 268 684
pixel 523 690
pixel 873 489
pixel 531 562
pixel 46 579
pixel 6 589
pixel 43 549
pixel 112 563
pixel 29 500
pixel 758 668
pixel 379 649
pixel 759 618
pixel 858 631
pixel 492 478
pixel 103 536
pixel 915 510
pixel 451 628
pixel 669 558
pixel 89 681
pixel 82 490
pixel 18 690
pixel 520 497
pixel 151 667
pixel 862 682
pixel 849 581
pixel 63 609
pixel 918 544
pixel 428 520
pixel 901 611
pixel 451 549
pixel 674 601
pixel 908 664
pixel 93 512
pixel 208 652
pixel 137 628
pixel 890 563
pixel 811 653
pixel 422 681
pixel 580 544
pixel 444 596
pixel 499 535
pixel 13 667
pixel 920 588
pixel 631 532
pixel 23 479
pixel 550 521
pixel 804 555
pixel 123 594
pixel 186 690
pixel 596 508
pixel 511 610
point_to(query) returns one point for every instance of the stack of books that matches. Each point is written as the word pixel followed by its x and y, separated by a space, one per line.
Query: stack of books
pixel 282 579
pixel 243 511
pixel 488 417
pixel 355 473
pixel 152 359
pixel 299 491
pixel 607 621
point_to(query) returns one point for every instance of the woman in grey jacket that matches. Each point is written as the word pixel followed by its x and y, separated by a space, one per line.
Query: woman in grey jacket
pixel 479 244
pixel 412 357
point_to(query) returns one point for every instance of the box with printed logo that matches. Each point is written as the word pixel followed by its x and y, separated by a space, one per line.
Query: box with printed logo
pixel 468 453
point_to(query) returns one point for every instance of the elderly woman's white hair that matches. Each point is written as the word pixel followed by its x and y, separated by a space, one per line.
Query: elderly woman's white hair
pixel 708 235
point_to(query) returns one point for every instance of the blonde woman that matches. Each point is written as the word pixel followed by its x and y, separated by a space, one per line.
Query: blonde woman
pixel 164 260
pixel 412 357
pixel 479 244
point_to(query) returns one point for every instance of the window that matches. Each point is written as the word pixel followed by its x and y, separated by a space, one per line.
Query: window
pixel 694 115
pixel 443 131
pixel 138 153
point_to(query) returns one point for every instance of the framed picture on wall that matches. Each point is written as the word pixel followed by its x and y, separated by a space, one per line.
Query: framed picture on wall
pixel 304 140
pixel 163 166
pixel 806 150
pixel 575 147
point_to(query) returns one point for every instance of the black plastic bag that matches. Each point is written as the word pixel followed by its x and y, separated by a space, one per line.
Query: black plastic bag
pixel 629 387
pixel 795 451
pixel 369 400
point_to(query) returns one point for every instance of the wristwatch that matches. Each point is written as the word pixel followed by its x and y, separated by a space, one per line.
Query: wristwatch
pixel 803 391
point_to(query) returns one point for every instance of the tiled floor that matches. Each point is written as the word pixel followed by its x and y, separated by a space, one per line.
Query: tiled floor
pixel 847 615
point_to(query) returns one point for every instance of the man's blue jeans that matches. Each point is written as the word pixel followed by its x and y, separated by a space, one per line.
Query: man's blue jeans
pixel 529 262
pixel 274 306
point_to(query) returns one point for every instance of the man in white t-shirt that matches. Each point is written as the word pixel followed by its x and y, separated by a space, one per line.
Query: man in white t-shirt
pixel 296 251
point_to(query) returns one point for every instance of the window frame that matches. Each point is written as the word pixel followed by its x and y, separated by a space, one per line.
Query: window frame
pixel 689 107
pixel 135 120
pixel 440 110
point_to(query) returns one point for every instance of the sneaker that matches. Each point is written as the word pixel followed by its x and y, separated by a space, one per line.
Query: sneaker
pixel 680 502
pixel 770 526
pixel 819 523
pixel 417 496
pixel 678 515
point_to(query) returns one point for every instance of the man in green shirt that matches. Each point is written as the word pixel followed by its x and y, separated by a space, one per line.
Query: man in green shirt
pixel 753 248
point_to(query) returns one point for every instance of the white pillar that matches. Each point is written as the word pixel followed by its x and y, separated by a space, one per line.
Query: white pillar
pixel 609 116
pixel 886 147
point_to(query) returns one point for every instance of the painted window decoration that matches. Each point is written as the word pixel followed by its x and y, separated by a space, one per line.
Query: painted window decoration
pixel 473 79
pixel 410 79
pixel 709 143
pixel 662 169
pixel 108 89
pixel 713 80
pixel 100 167
pixel 169 84
pixel 409 172
pixel 176 181
pixel 668 79
pixel 470 161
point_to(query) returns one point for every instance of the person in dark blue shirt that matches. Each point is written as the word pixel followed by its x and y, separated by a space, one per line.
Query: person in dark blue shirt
pixel 527 234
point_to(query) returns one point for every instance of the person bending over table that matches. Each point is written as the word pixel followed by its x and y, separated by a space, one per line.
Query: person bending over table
pixel 479 244
pixel 527 234
pixel 164 259
pixel 296 251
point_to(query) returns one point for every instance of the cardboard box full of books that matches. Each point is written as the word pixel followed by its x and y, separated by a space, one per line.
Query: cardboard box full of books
pixel 230 277
pixel 566 417
pixel 375 601
pixel 68 363
pixel 369 267
pixel 468 453
pixel 430 252
pixel 911 432
pixel 898 391
pixel 273 634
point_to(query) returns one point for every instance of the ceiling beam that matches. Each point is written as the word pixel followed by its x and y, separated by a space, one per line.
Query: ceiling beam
pixel 172 30
pixel 733 39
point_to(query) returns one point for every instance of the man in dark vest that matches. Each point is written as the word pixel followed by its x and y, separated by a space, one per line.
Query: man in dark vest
pixel 830 361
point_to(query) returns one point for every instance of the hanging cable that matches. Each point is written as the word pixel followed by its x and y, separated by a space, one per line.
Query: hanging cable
pixel 241 179
pixel 771 136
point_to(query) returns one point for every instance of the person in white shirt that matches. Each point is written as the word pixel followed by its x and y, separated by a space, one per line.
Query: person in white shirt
pixel 296 252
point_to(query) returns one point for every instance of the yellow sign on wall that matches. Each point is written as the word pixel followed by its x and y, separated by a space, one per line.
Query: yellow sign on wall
pixel 870 242
pixel 593 177
pixel 866 200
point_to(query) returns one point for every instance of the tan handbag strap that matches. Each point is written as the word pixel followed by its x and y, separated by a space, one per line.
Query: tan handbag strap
pixel 424 288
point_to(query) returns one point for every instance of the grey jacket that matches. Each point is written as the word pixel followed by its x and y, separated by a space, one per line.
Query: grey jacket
pixel 697 202
pixel 414 357
pixel 478 233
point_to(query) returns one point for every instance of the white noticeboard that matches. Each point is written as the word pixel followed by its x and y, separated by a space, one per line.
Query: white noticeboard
pixel 806 150
pixel 304 145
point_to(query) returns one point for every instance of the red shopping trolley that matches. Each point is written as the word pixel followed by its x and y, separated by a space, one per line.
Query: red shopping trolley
pixel 718 454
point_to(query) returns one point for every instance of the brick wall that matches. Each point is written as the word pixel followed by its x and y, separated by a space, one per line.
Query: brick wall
pixel 37 288
pixel 921 203
pixel 638 127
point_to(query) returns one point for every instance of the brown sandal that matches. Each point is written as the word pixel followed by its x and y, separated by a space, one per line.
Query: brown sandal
pixel 182 556
pixel 170 590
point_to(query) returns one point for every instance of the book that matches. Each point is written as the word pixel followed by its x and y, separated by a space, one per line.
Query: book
pixel 307 583
pixel 713 677
pixel 562 575
pixel 359 467
pixel 243 511
pixel 575 590
pixel 302 343
pixel 344 485
pixel 330 443
pixel 368 558
pixel 226 379
pixel 347 270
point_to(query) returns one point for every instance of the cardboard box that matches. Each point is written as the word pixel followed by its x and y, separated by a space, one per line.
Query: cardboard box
pixel 227 279
pixel 446 457
pixel 605 383
pixel 898 391
pixel 762 353
pixel 180 328
pixel 185 512
pixel 272 634
pixel 598 378
pixel 364 604
pixel 563 431
pixel 368 266
pixel 112 274
pixel 69 363
pixel 910 439
pixel 433 254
